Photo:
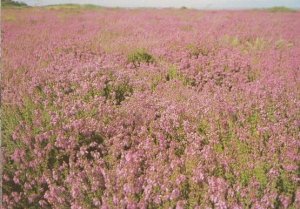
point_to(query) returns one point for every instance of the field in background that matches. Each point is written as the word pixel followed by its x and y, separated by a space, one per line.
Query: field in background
pixel 146 108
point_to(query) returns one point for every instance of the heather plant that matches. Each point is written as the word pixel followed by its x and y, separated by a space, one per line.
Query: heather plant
pixel 206 117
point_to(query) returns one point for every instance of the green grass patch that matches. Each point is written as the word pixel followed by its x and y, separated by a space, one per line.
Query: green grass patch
pixel 253 121
pixel 156 80
pixel 285 185
pixel 246 44
pixel 173 74
pixel 283 44
pixel 281 9
pixel 260 174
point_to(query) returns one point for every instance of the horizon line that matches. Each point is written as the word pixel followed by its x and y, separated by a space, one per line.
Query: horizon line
pixel 169 7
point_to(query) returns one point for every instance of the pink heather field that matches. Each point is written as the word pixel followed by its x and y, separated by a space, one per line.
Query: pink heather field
pixel 150 108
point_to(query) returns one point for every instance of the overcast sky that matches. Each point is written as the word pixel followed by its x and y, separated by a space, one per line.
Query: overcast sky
pixel 202 4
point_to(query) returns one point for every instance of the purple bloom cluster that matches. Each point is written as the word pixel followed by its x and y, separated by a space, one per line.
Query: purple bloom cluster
pixel 115 108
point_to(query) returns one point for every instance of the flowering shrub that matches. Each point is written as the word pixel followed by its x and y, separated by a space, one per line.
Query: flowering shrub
pixel 91 122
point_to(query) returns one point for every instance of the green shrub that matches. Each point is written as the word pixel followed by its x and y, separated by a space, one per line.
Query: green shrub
pixel 260 173
pixel 203 127
pixel 172 73
pixel 285 185
pixel 155 82
pixel 120 92
pixel 140 56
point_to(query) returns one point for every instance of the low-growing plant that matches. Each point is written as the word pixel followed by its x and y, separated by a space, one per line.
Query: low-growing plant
pixel 117 92
pixel 155 81
pixel 284 184
pixel 140 56
pixel 253 75
pixel 195 50
pixel 252 44
pixel 173 73
pixel 283 44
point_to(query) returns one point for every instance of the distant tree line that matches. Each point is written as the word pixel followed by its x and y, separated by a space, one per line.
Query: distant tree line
pixel 13 3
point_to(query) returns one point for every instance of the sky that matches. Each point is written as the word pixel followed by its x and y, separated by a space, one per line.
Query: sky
pixel 198 4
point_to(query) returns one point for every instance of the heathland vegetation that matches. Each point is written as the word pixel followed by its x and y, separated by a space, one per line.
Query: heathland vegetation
pixel 145 108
